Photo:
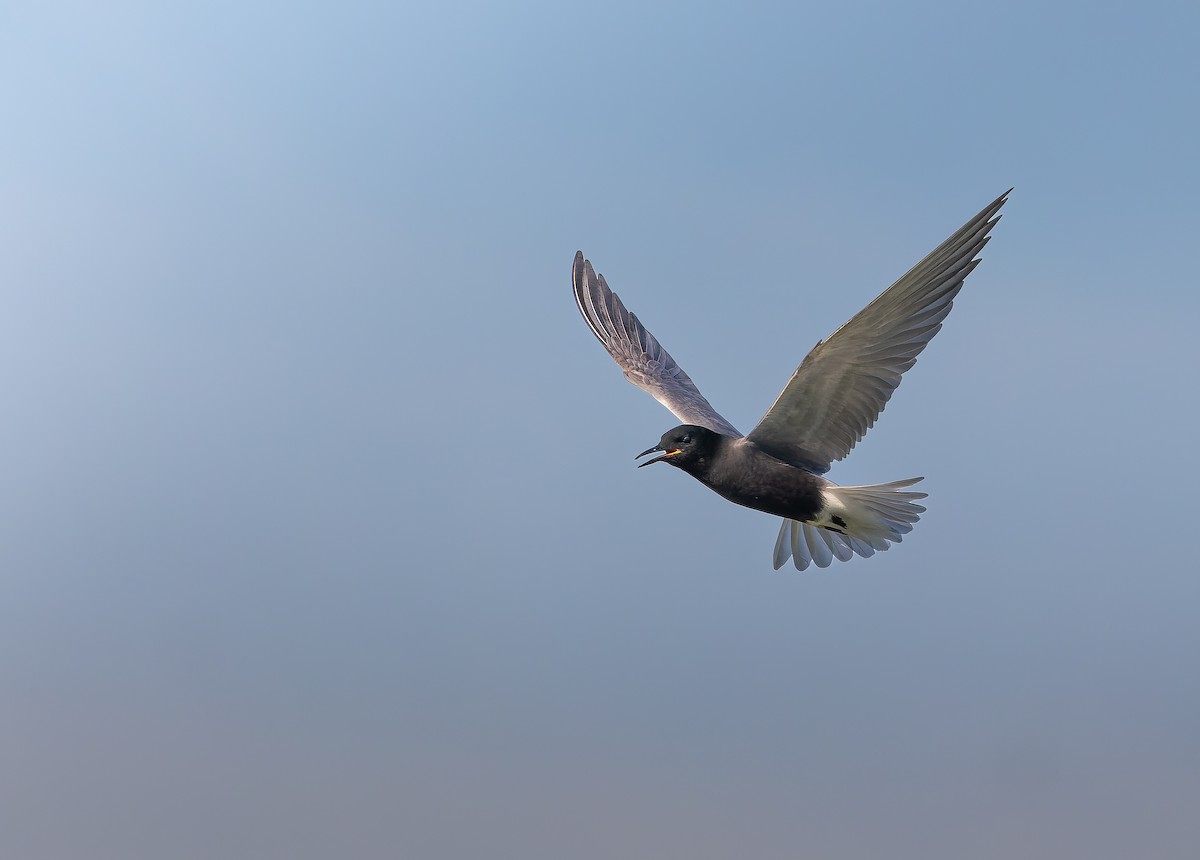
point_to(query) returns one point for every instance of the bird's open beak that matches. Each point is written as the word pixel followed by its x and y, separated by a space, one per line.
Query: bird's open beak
pixel 670 452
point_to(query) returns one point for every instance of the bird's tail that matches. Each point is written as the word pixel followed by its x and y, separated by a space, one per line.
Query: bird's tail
pixel 854 520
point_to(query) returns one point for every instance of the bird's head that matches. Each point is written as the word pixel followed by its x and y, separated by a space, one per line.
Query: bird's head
pixel 687 446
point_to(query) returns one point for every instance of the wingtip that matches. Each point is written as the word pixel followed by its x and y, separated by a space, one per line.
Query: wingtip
pixel 579 271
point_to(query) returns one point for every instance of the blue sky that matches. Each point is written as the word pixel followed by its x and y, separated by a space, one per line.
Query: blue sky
pixel 323 535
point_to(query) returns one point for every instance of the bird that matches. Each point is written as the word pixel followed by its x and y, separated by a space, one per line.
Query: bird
pixel 832 399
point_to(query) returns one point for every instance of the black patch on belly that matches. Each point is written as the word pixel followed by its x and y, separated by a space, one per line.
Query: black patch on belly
pixel 839 521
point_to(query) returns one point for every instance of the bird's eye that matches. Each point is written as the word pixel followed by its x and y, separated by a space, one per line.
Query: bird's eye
pixel 686 439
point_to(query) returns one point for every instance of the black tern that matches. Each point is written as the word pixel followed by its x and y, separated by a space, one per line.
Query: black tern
pixel 830 402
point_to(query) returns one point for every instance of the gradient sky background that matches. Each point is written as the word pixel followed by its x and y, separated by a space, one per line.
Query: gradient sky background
pixel 322 535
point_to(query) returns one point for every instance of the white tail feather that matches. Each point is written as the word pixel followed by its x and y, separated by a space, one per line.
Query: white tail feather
pixel 853 521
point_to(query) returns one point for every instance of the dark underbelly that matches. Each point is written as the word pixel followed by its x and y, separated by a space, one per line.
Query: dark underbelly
pixel 793 499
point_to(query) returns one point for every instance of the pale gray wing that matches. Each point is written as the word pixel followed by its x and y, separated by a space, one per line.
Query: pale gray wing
pixel 646 364
pixel 840 388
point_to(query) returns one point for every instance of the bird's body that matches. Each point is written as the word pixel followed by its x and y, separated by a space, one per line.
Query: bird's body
pixel 739 471
pixel 832 399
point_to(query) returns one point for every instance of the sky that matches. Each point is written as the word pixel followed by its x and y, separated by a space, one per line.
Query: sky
pixel 321 529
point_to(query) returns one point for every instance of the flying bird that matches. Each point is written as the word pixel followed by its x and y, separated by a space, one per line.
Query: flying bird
pixel 827 406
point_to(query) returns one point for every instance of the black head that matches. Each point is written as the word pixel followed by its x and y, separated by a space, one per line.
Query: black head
pixel 687 446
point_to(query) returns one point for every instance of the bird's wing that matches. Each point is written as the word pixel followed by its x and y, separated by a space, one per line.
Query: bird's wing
pixel 646 364
pixel 840 388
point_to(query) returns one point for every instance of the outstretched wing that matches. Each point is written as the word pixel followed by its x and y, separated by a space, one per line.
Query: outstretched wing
pixel 646 364
pixel 840 388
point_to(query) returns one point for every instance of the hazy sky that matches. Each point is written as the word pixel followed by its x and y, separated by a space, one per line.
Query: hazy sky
pixel 322 535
